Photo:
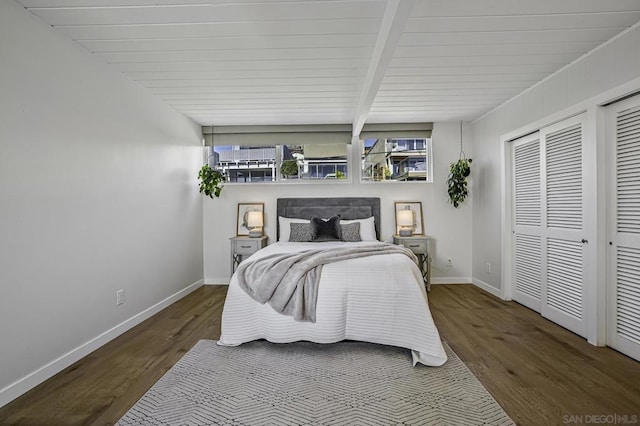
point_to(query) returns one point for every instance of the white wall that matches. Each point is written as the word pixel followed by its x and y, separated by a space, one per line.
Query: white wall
pixel 98 192
pixel 591 81
pixel 450 227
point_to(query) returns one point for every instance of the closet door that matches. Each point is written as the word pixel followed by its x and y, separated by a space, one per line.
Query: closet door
pixel 564 282
pixel 549 246
pixel 623 292
pixel 527 214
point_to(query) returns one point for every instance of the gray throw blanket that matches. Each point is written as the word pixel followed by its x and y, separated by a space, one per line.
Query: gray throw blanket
pixel 289 281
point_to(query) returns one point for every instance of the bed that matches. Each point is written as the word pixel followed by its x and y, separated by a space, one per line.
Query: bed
pixel 379 299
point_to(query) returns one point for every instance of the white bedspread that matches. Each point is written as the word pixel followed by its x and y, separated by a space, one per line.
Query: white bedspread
pixel 377 299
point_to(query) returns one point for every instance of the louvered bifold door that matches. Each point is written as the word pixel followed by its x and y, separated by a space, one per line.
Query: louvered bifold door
pixel 623 318
pixel 527 234
pixel 564 243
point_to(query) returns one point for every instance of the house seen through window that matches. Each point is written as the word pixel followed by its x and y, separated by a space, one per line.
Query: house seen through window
pixel 244 164
pixel 398 160
pixel 314 161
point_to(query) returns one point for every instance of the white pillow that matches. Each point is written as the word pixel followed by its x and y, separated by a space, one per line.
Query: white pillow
pixel 367 228
pixel 284 223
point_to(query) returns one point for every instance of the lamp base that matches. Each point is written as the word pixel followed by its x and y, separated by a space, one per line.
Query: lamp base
pixel 405 232
pixel 255 233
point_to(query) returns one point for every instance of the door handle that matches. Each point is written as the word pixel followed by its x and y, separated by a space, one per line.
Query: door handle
pixel 584 241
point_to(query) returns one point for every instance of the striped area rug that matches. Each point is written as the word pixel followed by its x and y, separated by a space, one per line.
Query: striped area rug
pixel 346 383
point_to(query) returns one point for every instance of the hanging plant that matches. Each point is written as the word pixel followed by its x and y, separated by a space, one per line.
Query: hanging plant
pixel 211 181
pixel 458 174
pixel 457 181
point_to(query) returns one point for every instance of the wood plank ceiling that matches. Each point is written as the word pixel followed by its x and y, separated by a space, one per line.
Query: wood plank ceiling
pixel 336 61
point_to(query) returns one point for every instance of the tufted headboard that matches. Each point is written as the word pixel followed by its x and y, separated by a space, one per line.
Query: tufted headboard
pixel 347 207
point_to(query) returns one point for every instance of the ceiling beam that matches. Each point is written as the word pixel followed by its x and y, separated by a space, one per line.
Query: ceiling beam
pixel 393 22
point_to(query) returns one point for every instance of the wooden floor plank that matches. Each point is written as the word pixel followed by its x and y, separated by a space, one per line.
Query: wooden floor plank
pixel 538 371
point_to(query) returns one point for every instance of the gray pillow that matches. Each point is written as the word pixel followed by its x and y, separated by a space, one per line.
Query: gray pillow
pixel 300 233
pixel 350 232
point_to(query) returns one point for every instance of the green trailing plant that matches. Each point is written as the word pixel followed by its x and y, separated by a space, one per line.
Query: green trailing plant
pixel 211 181
pixel 458 174
pixel 340 175
pixel 457 181
pixel 289 168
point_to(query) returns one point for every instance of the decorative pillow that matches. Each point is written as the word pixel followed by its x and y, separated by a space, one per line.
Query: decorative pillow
pixel 367 228
pixel 301 233
pixel 284 226
pixel 350 232
pixel 325 230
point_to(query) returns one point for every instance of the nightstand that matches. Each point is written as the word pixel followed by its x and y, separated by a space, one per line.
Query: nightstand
pixel 419 245
pixel 243 247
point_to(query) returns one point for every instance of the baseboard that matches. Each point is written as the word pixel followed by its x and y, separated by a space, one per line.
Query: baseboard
pixel 450 280
pixel 489 288
pixel 33 379
pixel 216 281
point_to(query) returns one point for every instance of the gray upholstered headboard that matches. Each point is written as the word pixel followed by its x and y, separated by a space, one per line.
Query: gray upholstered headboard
pixel 347 207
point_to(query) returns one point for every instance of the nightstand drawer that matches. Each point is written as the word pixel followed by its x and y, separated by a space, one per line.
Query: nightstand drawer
pixel 418 247
pixel 246 247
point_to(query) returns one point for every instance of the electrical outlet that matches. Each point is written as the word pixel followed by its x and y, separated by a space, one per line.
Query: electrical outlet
pixel 119 297
pixel 488 268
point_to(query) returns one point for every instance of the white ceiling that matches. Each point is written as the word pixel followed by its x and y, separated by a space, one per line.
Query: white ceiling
pixel 228 62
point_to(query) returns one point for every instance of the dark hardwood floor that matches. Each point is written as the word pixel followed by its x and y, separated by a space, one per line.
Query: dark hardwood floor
pixel 540 373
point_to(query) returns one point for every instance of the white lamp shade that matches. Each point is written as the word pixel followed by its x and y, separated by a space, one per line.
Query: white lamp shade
pixel 405 218
pixel 254 219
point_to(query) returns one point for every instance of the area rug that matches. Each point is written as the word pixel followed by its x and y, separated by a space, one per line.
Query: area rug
pixel 303 383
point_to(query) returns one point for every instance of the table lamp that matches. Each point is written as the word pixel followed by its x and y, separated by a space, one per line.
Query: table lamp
pixel 255 224
pixel 405 221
